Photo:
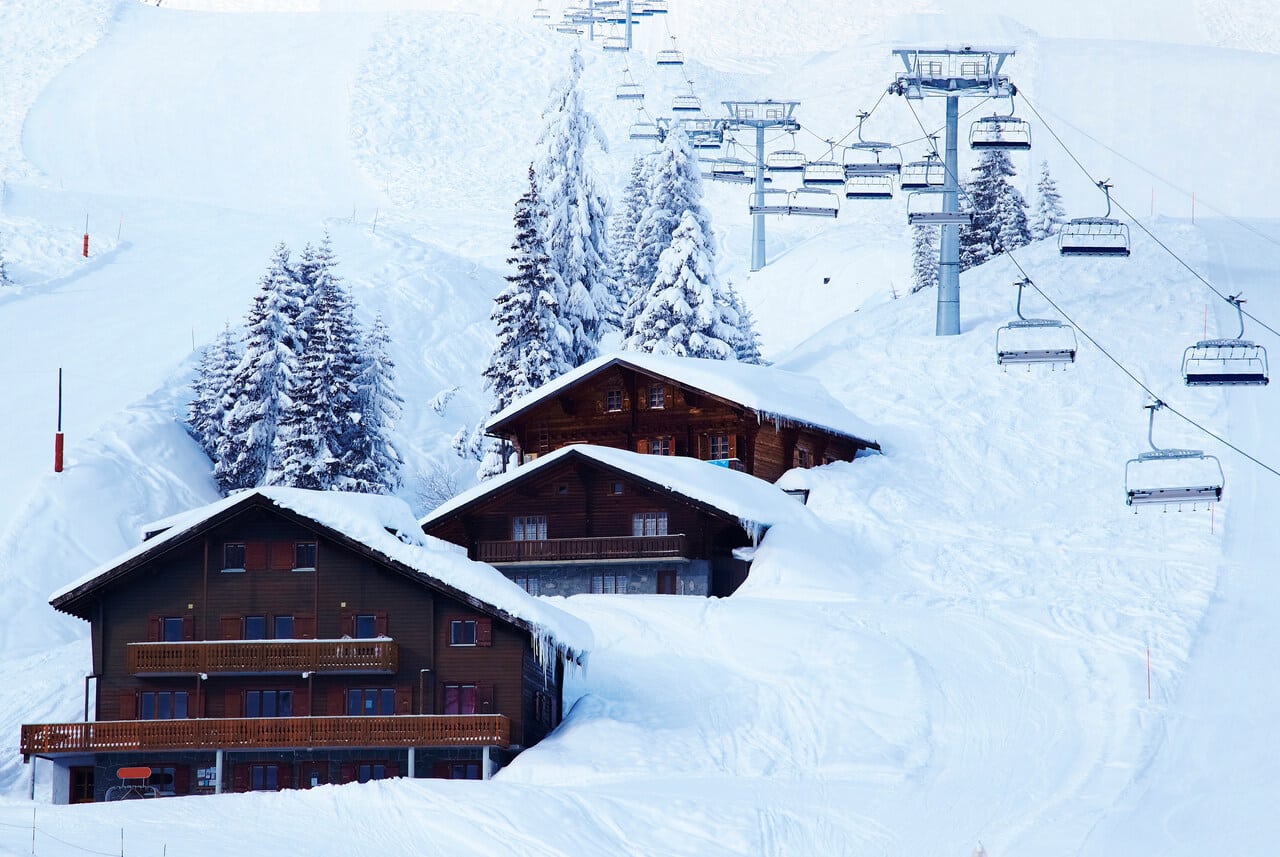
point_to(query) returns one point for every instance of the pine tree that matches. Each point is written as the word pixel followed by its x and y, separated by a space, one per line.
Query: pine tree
pixel 371 461
pixel 258 392
pixel 1049 214
pixel 924 257
pixel 746 348
pixel 683 313
pixel 208 406
pixel 575 223
pixel 999 211
pixel 622 242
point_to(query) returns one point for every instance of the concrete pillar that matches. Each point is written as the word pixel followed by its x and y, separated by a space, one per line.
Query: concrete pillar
pixel 413 757
pixel 484 763
pixel 217 772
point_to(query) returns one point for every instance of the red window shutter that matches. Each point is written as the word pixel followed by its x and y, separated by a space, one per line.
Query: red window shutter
pixel 281 556
pixel 404 699
pixel 301 703
pixel 153 628
pixel 128 706
pixel 284 776
pixel 642 446
pixel 347 773
pixel 240 778
pixel 393 769
pixel 733 446
pixel 380 624
pixel 484 699
pixel 255 556
pixel 346 624
pixel 335 702
pixel 440 770
pixel 229 627
pixel 188 627
pixel 484 632
pixel 231 706
pixel 182 780
pixel 304 626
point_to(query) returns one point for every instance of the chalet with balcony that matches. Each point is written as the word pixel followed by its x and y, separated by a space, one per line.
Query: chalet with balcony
pixel 758 419
pixel 284 638
pixel 594 519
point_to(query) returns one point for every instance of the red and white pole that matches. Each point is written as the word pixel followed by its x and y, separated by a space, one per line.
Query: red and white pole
pixel 57 438
pixel 85 251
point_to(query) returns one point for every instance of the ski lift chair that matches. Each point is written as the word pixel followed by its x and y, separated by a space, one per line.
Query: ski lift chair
pixel 689 103
pixel 1171 476
pixel 1226 362
pixel 1095 236
pixel 732 170
pixel 643 129
pixel 541 13
pixel 929 172
pixel 1000 132
pixel 868 186
pixel 920 212
pixel 1034 340
pixel 614 43
pixel 863 157
pixel 670 56
pixel 784 161
pixel 629 91
pixel 772 201
pixel 823 173
pixel 813 202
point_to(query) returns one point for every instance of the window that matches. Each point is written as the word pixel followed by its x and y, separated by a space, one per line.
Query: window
pixel 163 779
pixel 649 524
pixel 459 699
pixel 464 770
pixel 529 528
pixel 283 628
pixel 366 626
pixel 371 702
pixel 608 584
pixel 804 458
pixel 264 778
pixel 206 778
pixel 562 489
pixel 462 632
pixel 615 488
pixel 657 396
pixel 718 447
pixel 162 705
pixel 304 555
pixel 255 627
pixel 530 583
pixel 268 703
pixel 613 400
pixel 171 629
pixel 233 556
pixel 371 771
pixel 660 445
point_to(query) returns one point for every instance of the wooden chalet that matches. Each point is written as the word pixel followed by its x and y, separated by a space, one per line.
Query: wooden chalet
pixel 284 638
pixel 594 519
pixel 758 419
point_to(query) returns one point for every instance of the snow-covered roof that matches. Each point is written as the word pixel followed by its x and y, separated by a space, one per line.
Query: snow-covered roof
pixel 756 504
pixel 770 392
pixel 384 525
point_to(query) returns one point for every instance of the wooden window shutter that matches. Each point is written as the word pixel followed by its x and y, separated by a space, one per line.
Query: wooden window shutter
pixel 440 770
pixel 232 705
pixel 229 627
pixel 347 773
pixel 484 698
pixel 393 769
pixel 380 624
pixel 240 778
pixel 255 556
pixel 301 703
pixel 642 446
pixel 128 706
pixel 281 556
pixel 304 626
pixel 404 699
pixel 733 445
pixel 484 632
pixel 336 703
pixel 153 628
pixel 284 776
pixel 346 624
pixel 188 627
pixel 182 780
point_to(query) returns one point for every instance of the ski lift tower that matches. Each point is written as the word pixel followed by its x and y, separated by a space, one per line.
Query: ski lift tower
pixel 951 73
pixel 760 115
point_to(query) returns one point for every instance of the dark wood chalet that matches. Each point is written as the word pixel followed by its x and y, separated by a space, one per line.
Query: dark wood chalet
pixel 250 645
pixel 758 419
pixel 594 519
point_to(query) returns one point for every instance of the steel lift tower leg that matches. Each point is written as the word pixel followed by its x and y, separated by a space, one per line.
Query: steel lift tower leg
pixel 949 247
pixel 757 220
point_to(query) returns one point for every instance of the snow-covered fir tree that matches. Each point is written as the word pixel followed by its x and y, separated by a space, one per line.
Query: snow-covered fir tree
pixel 4 272
pixel 1049 215
pixel 208 408
pixel 999 211
pixel 674 186
pixel 924 257
pixel 685 312
pixel 576 218
pixel 622 242
pixel 258 392
pixel 747 346
pixel 317 428
pixel 371 462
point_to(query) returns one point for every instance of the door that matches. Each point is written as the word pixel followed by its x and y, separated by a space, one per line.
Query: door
pixel 666 582
pixel 81 784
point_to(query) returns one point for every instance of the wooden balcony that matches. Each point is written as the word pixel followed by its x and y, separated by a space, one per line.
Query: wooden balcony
pixel 263 657
pixel 265 733
pixel 604 547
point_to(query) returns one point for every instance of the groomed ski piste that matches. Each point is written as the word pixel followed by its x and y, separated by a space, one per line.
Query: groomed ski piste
pixel 957 652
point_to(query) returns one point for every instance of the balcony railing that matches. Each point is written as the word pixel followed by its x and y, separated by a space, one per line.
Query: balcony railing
pixel 604 547
pixel 248 657
pixel 266 733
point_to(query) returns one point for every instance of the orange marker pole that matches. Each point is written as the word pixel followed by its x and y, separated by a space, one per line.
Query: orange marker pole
pixel 57 438
pixel 86 237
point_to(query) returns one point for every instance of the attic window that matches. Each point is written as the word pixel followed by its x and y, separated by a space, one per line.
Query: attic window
pixel 657 396
pixel 304 556
pixel 615 488
pixel 562 488
pixel 233 556
pixel 613 400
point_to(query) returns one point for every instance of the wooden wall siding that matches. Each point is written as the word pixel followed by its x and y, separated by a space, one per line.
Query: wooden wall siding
pixel 264 656
pixel 264 733
pixel 494 669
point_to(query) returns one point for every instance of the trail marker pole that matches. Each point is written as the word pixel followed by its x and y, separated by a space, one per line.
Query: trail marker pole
pixel 57 437
pixel 85 251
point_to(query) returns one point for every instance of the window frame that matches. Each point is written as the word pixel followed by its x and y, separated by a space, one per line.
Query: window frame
pixel 462 625
pixel 228 549
pixel 520 528
pixel 608 583
pixel 650 523
pixel 299 557
pixel 370 701
pixel 718 447
pixel 244 627
pixel 371 619
pixel 613 401
pixel 657 397
pixel 258 700
pixel 662 445
pixel 275 627
pixel 152 701
pixel 461 693
pixel 530 583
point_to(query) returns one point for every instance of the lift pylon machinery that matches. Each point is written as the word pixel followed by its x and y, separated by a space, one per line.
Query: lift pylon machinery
pixel 1226 362
pixel 760 115
pixel 1171 476
pixel 1095 236
pixel 1034 340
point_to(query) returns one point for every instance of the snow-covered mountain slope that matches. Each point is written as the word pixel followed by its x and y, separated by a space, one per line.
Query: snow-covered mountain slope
pixel 960 654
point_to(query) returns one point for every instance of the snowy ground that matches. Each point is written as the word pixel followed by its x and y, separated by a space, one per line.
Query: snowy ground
pixel 960 655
